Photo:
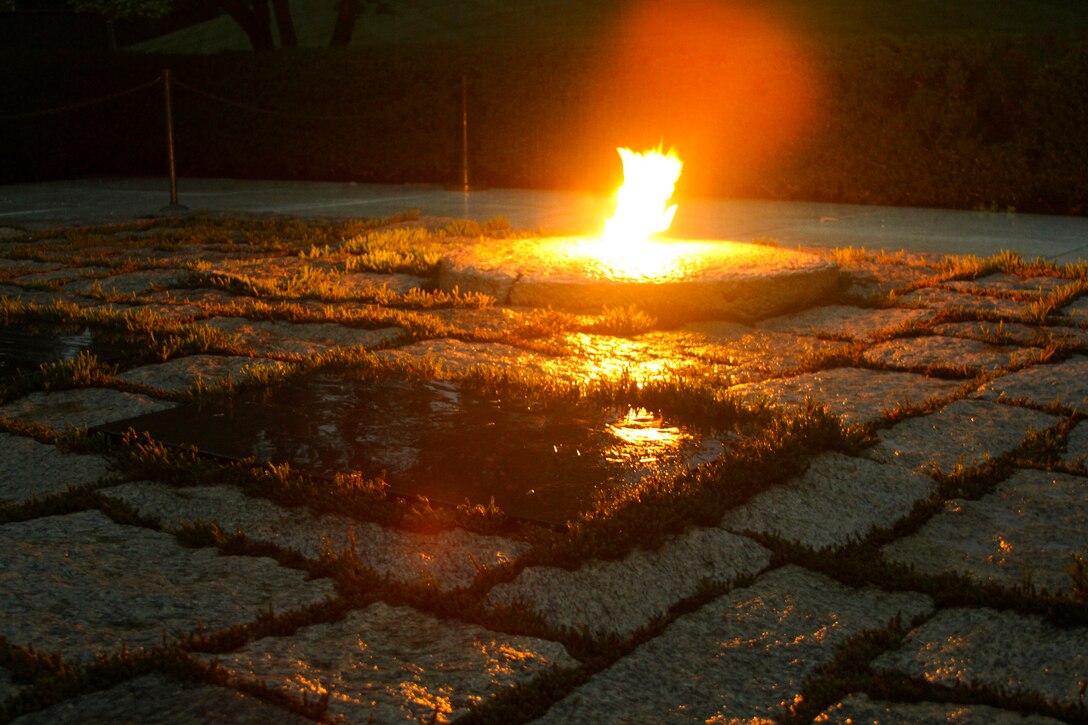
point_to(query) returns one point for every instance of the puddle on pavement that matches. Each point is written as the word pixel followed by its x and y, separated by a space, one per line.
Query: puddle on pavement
pixel 433 439
pixel 23 349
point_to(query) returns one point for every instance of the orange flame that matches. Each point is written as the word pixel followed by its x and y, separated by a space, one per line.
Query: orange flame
pixel 648 182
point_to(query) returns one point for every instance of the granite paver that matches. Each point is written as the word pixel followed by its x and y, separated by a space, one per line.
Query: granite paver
pixel 839 499
pixel 936 350
pixel 181 374
pixel 81 585
pixel 394 664
pixel 448 559
pixel 29 469
pixel 1024 531
pixel 1063 382
pixel 611 597
pixel 742 657
pixel 1003 650
pixel 277 336
pixel 859 708
pixel 966 432
pixel 80 408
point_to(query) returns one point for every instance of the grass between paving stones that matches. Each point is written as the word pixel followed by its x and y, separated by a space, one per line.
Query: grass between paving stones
pixel 774 446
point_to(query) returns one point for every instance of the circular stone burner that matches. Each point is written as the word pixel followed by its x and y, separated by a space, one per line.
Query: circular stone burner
pixel 690 279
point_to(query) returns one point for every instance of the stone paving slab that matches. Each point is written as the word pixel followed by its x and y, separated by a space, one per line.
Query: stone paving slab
pixel 29 469
pixel 966 432
pixel 80 585
pixel 1023 531
pixel 1065 382
pixel 740 658
pixel 181 374
pixel 277 336
pixel 938 297
pixel 1077 310
pixel 448 559
pixel 857 394
pixel 80 408
pixel 1003 650
pixel 455 356
pixel 748 348
pixel 928 350
pixel 859 708
pixel 1076 452
pixel 28 295
pixel 839 499
pixel 395 664
pixel 857 323
pixel 159 699
pixel 1013 333
pixel 129 282
pixel 612 597
pixel 1010 283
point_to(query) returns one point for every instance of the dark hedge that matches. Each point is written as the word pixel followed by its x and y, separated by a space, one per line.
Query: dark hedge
pixel 988 122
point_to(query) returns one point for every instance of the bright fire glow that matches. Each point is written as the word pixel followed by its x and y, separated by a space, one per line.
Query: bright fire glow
pixel 648 182
pixel 625 250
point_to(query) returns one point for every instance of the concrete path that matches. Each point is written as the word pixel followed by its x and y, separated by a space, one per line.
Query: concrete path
pixel 918 576
pixel 940 231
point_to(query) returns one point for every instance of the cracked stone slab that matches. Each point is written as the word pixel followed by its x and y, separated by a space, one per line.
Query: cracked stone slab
pixel 839 499
pixel 1065 382
pixel 618 597
pixel 927 350
pixel 129 282
pixel 857 394
pixel 158 699
pixel 742 657
pixel 859 708
pixel 940 298
pixel 365 282
pixel 1024 531
pixel 449 559
pixel 83 407
pixel 80 585
pixel 857 323
pixel 1003 282
pixel 181 374
pixel 396 664
pixel 277 336
pixel 32 469
pixel 1004 650
pixel 966 432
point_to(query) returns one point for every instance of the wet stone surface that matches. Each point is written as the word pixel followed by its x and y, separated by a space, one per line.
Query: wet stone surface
pixel 72 585
pixel 857 394
pixel 859 708
pixel 741 656
pixel 448 559
pixel 1024 531
pixel 29 469
pixel 839 499
pixel 966 432
pixel 82 408
pixel 611 597
pixel 1005 651
pixel 395 664
pixel 156 698
pixel 1063 382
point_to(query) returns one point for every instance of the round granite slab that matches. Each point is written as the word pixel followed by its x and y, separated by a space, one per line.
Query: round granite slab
pixel 686 279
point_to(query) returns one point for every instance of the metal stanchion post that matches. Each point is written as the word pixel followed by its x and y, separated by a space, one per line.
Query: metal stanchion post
pixel 174 206
pixel 465 183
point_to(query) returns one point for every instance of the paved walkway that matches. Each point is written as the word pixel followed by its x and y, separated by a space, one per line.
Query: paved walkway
pixel 916 576
pixel 937 231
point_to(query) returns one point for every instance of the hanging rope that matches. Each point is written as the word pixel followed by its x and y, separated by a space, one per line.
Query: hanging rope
pixel 258 109
pixel 81 104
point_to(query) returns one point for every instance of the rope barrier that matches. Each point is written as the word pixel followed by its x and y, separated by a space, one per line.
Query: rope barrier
pixel 258 109
pixel 81 104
